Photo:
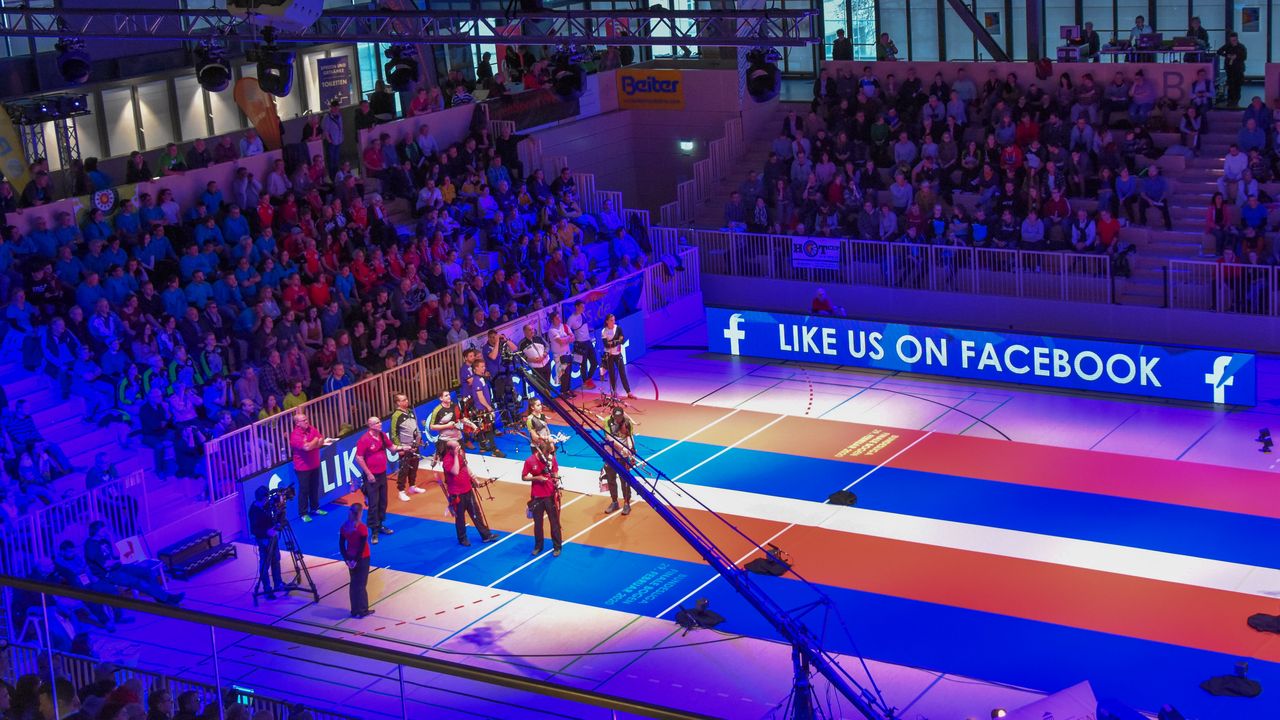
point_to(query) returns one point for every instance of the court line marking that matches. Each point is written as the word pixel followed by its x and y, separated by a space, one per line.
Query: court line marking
pixel 529 526
pixel 611 516
pixel 778 534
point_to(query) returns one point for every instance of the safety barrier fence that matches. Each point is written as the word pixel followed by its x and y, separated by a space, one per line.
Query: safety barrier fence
pixel 35 535
pixel 265 444
pixel 981 271
pixel 82 671
pixel 1222 287
pixel 722 153
pixel 401 676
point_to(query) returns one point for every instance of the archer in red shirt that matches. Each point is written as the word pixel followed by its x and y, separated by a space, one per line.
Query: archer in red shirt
pixel 462 495
pixel 543 471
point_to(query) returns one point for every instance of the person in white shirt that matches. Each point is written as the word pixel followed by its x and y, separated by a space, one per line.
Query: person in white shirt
pixel 1233 166
pixel 535 352
pixel 278 182
pixel 584 348
pixel 426 142
pixel 251 144
pixel 614 363
pixel 561 339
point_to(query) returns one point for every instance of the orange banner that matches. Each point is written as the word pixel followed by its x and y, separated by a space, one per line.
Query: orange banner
pixel 260 108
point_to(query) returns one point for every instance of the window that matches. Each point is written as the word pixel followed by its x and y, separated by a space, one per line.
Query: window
pixel 122 128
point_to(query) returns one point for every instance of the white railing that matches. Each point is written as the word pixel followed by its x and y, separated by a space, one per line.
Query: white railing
pixel 1222 287
pixel 121 503
pixel 722 153
pixel 265 444
pixel 945 268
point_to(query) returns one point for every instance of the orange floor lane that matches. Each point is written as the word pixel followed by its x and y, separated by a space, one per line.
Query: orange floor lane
pixel 1177 482
pixel 1106 602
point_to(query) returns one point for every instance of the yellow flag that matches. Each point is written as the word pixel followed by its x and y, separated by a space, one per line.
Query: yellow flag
pixel 12 161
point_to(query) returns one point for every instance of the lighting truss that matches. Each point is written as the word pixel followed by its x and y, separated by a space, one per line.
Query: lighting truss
pixel 726 28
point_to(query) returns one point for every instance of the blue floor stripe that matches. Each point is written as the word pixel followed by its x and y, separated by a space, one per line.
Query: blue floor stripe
pixel 908 632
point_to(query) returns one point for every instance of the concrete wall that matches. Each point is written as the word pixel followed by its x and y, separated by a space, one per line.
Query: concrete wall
pixel 1049 317
pixel 637 151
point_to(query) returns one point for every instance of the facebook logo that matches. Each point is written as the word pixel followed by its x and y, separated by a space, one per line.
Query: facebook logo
pixel 1219 379
pixel 734 334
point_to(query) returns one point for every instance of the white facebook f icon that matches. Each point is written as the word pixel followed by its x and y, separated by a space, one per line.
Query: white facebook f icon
pixel 1217 378
pixel 734 334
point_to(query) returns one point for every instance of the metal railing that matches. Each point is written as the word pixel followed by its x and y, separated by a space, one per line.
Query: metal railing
pixel 1223 287
pixel 415 674
pixel 945 268
pixel 82 671
pixel 121 503
pixel 265 444
pixel 722 153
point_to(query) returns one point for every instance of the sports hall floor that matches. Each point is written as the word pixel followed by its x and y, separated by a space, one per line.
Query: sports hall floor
pixel 1005 543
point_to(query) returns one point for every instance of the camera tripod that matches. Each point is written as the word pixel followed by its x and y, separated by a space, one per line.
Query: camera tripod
pixel 301 574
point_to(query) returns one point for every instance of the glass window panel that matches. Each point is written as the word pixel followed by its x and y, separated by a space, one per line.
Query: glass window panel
pixel 862 21
pixel 310 93
pixel 893 20
pixel 87 130
pixel 1171 18
pixel 1101 14
pixel 1056 14
pixel 193 123
pixel 1127 12
pixel 1019 20
pixel 122 129
pixel 1253 35
pixel 991 15
pixel 1213 17
pixel 834 17
pixel 226 116
pixel 157 122
pixel 959 37
pixel 924 30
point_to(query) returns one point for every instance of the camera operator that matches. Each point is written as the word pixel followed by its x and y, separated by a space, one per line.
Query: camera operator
pixel 584 348
pixel 497 350
pixel 264 527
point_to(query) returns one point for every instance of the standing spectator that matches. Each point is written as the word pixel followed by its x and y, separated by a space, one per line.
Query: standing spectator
pixel 842 48
pixel 353 544
pixel 334 135
pixel 1233 55
pixel 306 442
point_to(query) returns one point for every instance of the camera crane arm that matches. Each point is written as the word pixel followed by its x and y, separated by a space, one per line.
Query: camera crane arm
pixel 806 647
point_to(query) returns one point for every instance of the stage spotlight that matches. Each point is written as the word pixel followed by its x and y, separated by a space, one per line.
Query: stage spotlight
pixel 567 75
pixel 401 68
pixel 1264 439
pixel 764 80
pixel 998 713
pixel 275 70
pixel 74 63
pixel 213 72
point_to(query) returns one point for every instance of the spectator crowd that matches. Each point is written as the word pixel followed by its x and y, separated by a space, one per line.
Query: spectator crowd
pixel 181 319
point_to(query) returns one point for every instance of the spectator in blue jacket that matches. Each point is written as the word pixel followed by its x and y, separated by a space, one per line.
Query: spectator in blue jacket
pixel 1153 194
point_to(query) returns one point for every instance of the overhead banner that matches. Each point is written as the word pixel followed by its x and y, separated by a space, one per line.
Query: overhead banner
pixel 1168 372
pixel 815 253
pixel 644 89
pixel 335 80
pixel 260 108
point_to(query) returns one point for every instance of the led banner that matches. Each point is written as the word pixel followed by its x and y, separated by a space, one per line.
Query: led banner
pixel 1169 372
pixel 644 89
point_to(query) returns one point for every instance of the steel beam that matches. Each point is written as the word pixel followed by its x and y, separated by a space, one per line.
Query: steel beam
pixel 708 28
pixel 984 38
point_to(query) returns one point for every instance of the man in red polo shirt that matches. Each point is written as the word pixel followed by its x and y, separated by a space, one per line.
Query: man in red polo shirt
pixel 306 442
pixel 371 459
pixel 353 545
pixel 462 496
pixel 542 470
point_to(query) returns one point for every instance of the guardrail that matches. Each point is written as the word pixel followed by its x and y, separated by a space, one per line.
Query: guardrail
pixel 265 444
pixel 1223 287
pixel 722 153
pixel 945 268
pixel 81 670
pixel 121 503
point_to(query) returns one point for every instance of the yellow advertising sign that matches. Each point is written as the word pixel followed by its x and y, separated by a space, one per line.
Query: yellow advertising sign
pixel 644 89
pixel 13 163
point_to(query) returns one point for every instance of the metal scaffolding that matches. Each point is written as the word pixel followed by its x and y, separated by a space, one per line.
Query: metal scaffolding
pixel 660 26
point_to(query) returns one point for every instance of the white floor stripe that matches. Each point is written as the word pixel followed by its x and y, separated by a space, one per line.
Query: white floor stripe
pixel 607 518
